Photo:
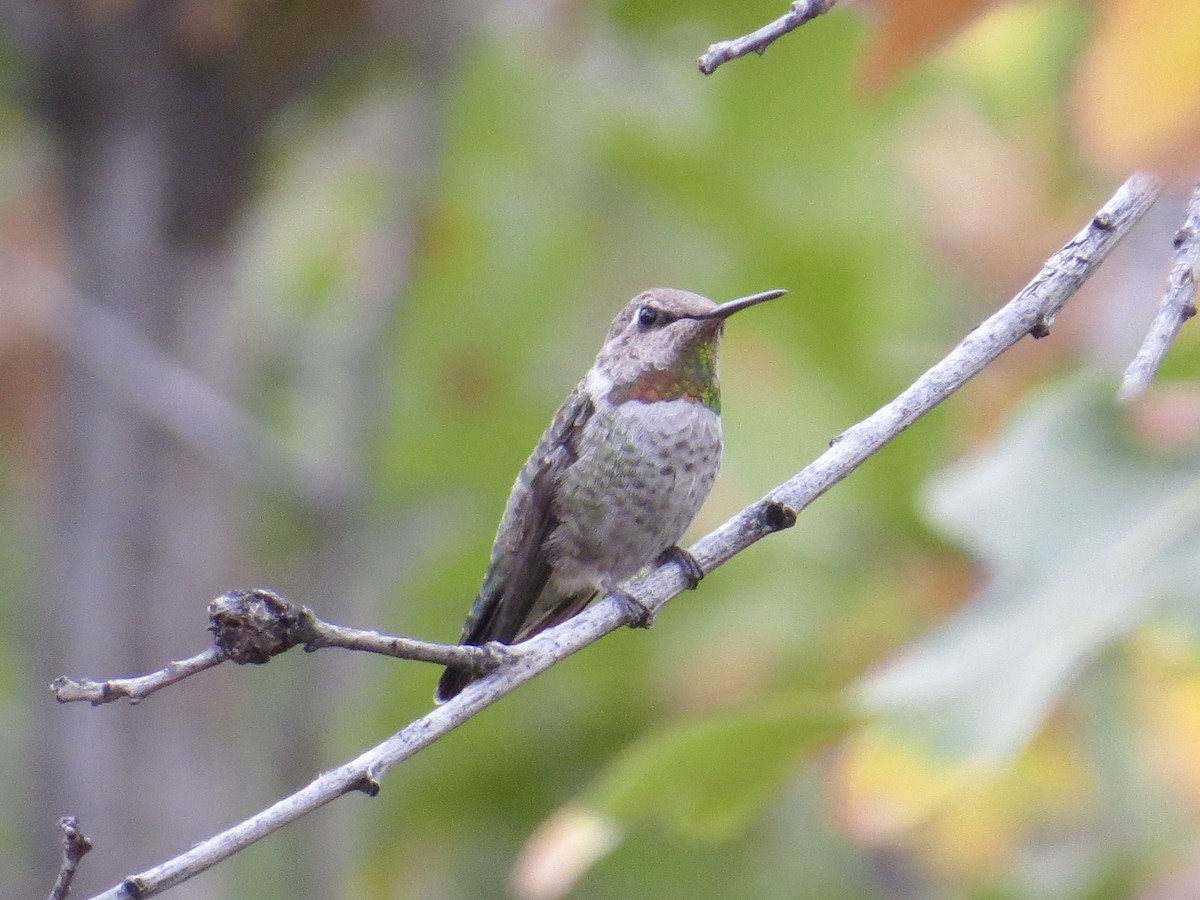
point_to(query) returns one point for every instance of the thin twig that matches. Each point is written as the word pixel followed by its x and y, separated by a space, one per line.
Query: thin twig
pixel 1030 312
pixel 478 659
pixel 798 13
pixel 75 845
pixel 251 626
pixel 137 689
pixel 1178 305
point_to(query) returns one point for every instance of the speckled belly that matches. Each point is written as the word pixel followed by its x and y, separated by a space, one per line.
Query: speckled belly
pixel 642 475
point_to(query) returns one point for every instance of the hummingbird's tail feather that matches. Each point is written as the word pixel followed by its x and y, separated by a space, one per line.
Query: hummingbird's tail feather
pixel 454 680
pixel 452 683
pixel 481 627
pixel 559 613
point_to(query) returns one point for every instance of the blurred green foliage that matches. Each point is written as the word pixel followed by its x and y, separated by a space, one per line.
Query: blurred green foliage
pixel 710 777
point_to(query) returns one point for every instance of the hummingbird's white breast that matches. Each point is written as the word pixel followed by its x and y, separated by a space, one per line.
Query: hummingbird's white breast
pixel 643 474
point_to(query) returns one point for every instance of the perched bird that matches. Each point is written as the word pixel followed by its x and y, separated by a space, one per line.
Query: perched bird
pixel 616 479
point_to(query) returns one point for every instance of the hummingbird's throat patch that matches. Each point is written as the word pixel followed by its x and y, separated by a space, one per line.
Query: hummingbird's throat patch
pixel 657 386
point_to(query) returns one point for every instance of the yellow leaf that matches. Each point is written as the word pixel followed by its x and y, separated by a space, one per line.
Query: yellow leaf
pixel 885 788
pixel 962 820
pixel 1167 674
pixel 1137 89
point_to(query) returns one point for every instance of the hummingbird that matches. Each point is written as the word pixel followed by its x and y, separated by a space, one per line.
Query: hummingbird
pixel 616 479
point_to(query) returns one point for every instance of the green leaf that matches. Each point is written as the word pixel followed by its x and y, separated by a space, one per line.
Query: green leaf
pixel 1083 534
pixel 710 777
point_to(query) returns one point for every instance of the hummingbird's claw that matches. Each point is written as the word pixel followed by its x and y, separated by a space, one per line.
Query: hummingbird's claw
pixel 691 568
pixel 639 615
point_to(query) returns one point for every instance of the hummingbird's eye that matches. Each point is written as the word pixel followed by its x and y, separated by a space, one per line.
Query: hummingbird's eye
pixel 648 317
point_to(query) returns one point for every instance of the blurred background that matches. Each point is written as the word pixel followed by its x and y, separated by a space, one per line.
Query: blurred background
pixel 288 292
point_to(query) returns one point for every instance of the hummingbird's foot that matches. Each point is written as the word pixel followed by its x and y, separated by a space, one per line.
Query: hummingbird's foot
pixel 637 612
pixel 691 568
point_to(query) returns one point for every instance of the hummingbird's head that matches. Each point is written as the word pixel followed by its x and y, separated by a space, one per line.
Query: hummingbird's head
pixel 663 346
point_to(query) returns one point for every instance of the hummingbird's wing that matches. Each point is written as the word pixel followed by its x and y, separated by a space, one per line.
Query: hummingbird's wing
pixel 520 566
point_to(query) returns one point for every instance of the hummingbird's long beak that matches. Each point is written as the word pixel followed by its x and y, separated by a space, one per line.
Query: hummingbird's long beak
pixel 725 310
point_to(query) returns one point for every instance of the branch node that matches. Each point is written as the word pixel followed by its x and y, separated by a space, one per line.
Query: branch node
pixel 367 784
pixel 251 626
pixel 1103 221
pixel 778 516
pixel 495 654
pixel 1040 328
pixel 133 887
pixel 1187 287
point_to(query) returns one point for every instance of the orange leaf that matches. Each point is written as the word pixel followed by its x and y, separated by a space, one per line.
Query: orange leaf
pixel 911 28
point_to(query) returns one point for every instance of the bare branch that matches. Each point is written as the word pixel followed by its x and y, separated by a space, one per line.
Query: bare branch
pixel 251 626
pixel 166 392
pixel 1030 312
pixel 798 13
pixel 75 845
pixel 1178 305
